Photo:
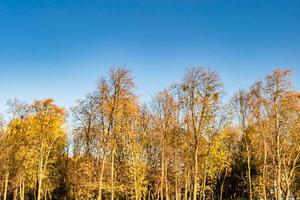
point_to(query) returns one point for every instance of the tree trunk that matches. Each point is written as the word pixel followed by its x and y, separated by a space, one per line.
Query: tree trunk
pixel 135 179
pixel 177 197
pixel 15 194
pixel 186 190
pixel 264 171
pixel 278 167
pixel 204 179
pixel 249 169
pixel 287 192
pixel 101 179
pixel 5 186
pixel 195 173
pixel 45 197
pixel 22 193
pixel 222 184
pixel 112 174
pixel 40 178
pixel 167 184
pixel 162 172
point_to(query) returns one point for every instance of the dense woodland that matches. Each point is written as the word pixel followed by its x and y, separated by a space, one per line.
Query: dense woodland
pixel 186 143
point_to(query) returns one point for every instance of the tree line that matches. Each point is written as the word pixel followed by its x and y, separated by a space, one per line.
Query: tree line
pixel 186 143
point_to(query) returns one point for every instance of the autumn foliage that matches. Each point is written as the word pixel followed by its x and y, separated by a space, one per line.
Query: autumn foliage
pixel 186 143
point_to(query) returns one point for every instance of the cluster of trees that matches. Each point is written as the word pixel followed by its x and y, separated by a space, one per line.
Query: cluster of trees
pixel 184 144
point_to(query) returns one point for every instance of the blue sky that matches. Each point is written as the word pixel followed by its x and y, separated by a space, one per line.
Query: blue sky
pixel 59 48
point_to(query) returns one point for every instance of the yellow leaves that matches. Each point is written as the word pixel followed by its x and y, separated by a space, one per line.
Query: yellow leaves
pixel 220 151
pixel 36 123
pixel 81 173
pixel 38 138
pixel 181 139
pixel 48 108
pixel 291 102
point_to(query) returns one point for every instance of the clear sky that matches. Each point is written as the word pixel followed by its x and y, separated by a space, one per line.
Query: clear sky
pixel 59 48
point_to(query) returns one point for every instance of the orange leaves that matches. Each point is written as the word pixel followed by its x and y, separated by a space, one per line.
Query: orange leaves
pixel 47 107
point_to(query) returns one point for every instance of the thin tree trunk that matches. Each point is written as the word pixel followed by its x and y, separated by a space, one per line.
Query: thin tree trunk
pixel 222 185
pixel 249 170
pixel 5 186
pixel 21 185
pixel 186 190
pixel 176 178
pixel 167 184
pixel 278 167
pixel 195 173
pixel 15 194
pixel 112 174
pixel 162 172
pixel 46 195
pixel 101 179
pixel 264 171
pixel 204 179
pixel 135 179
pixel 176 188
pixel 40 178
pixel 287 192
pixel 278 173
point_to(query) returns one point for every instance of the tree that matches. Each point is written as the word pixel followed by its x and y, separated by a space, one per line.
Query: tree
pixel 86 119
pixel 186 144
pixel 283 113
pixel 118 105
pixel 165 114
pixel 199 94
pixel 241 104
pixel 49 139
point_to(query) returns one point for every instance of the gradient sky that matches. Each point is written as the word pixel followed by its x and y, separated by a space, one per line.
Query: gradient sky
pixel 59 48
